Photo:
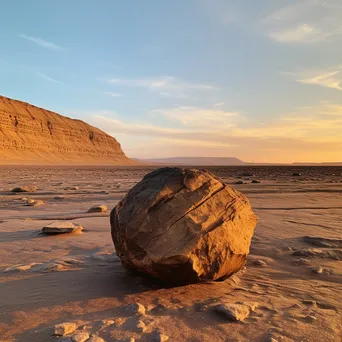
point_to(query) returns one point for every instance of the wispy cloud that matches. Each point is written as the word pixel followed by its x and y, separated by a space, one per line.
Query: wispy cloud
pixel 110 93
pixel 205 118
pixel 307 132
pixel 48 78
pixel 305 21
pixel 167 86
pixel 328 77
pixel 41 42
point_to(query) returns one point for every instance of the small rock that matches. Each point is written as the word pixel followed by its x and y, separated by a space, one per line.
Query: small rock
pixel 317 269
pixel 254 181
pixel 58 198
pixel 59 227
pixel 34 203
pixel 238 182
pixel 64 328
pixel 260 263
pixel 48 267
pixel 98 209
pixel 301 261
pixel 270 339
pixel 159 337
pixel 136 308
pixel 95 338
pixel 25 189
pixel 107 322
pixel 119 321
pixel 233 312
pixel 24 199
pixel 296 174
pixel 310 319
pixel 80 336
pixel 141 326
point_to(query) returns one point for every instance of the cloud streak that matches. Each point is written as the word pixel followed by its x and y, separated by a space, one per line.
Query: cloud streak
pixel 166 86
pixel 305 21
pixel 46 77
pixel 41 42
pixel 328 78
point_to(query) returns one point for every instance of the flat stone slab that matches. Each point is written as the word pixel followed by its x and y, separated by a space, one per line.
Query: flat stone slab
pixel 98 209
pixel 62 227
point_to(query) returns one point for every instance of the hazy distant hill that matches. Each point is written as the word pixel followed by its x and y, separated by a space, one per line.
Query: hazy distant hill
pixel 194 161
pixel 222 161
pixel 32 135
pixel 317 164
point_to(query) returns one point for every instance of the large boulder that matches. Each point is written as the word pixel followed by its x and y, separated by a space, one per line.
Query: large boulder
pixel 183 226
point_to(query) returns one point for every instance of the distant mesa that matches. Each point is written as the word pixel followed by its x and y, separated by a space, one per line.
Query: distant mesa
pixel 197 161
pixel 32 135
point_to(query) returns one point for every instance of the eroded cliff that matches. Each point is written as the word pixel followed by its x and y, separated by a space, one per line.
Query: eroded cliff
pixel 32 135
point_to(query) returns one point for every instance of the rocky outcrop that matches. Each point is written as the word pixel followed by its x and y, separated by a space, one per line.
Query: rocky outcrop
pixel 32 135
pixel 183 226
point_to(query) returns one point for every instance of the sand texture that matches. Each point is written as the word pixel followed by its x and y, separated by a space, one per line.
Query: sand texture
pixel 289 290
pixel 32 135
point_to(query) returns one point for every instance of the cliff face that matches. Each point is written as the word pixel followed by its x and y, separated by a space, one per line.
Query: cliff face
pixel 32 135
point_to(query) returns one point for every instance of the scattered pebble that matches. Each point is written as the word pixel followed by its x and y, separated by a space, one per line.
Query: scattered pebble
pixel 64 329
pixel 317 269
pixel 310 319
pixel 254 181
pixel 260 263
pixel 58 198
pixel 80 336
pixel 141 326
pixel 95 338
pixel 136 309
pixel 98 209
pixel 233 312
pixel 34 203
pixel 159 337
pixel 107 322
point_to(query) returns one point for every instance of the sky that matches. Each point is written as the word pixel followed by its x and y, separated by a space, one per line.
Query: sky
pixel 257 80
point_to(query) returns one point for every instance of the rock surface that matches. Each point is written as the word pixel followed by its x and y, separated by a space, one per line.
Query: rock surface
pixel 183 226
pixel 60 227
pixel 32 135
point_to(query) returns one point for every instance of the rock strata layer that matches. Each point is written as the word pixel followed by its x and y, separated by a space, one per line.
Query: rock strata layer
pixel 183 226
pixel 32 135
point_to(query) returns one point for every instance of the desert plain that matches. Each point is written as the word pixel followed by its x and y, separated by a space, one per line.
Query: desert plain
pixel 292 281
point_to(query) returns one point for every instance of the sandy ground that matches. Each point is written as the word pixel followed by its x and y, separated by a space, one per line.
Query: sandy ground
pixel 47 280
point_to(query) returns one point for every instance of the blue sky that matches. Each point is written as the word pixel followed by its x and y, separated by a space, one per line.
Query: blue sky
pixel 258 80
